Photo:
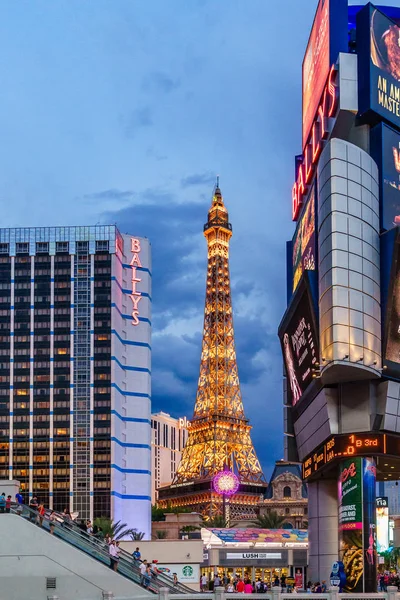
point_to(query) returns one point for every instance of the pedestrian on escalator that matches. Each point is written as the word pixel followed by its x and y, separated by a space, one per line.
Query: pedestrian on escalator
pixel 20 502
pixel 2 502
pixel 8 504
pixel 41 513
pixel 52 519
pixel 114 551
pixel 143 567
pixel 33 505
pixel 147 577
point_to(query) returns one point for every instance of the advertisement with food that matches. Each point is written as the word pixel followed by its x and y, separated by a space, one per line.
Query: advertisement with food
pixel 304 241
pixel 356 494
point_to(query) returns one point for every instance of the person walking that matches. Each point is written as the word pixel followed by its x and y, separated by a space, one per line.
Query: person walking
pixel 248 588
pixel 203 583
pixel 8 504
pixel 240 586
pixel 217 581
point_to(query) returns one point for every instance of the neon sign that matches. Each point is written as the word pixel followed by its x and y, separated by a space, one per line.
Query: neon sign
pixel 135 296
pixel 319 133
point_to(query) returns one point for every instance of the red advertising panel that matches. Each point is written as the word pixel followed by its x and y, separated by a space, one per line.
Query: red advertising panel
pixel 316 66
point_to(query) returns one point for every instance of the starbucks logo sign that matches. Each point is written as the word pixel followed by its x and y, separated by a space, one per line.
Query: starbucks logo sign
pixel 187 571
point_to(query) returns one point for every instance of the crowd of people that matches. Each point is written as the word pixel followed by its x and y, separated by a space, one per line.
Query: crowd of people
pixel 387 578
pixel 246 586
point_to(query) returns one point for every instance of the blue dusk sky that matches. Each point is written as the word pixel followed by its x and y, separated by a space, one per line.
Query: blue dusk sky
pixel 124 111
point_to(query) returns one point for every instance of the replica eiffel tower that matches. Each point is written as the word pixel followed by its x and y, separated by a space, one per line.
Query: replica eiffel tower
pixel 219 433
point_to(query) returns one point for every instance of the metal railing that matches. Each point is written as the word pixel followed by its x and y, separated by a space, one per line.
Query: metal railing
pixel 98 549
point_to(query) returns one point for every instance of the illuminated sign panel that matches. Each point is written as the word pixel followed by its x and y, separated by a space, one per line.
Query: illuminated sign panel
pixel 315 65
pixel 321 128
pixel 379 64
pixel 344 446
pixel 382 524
pixel 385 150
pixel 298 336
pixel 392 322
pixel 135 295
pixel 304 241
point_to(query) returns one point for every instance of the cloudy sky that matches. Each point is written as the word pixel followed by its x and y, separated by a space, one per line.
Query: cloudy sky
pixel 124 111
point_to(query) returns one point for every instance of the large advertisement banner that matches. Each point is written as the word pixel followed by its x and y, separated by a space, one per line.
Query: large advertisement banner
pixel 382 524
pixel 392 321
pixel 315 66
pixel 379 64
pixel 357 546
pixel 304 241
pixel 298 336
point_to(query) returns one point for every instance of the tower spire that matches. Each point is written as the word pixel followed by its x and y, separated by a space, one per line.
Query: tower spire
pixel 219 433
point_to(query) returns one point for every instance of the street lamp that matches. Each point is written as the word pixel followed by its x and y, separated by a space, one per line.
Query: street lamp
pixel 226 484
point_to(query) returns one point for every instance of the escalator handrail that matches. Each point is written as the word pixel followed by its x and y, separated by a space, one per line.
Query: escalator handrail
pixel 64 528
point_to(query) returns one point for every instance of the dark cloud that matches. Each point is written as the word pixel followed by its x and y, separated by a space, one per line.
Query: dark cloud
pixel 160 82
pixel 138 119
pixel 112 194
pixel 198 179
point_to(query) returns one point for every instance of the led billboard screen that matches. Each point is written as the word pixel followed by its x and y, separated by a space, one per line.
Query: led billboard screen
pixel 316 66
pixel 304 241
pixel 382 524
pixel 390 178
pixel 378 51
pixel 298 336
pixel 392 321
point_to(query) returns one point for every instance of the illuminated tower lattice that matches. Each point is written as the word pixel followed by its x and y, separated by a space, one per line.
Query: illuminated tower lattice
pixel 219 433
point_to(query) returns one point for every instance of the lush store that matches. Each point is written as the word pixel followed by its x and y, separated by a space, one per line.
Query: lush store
pixel 256 554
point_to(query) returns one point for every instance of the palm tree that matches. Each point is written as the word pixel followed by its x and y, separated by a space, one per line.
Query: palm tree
pixel 136 536
pixel 216 522
pixel 118 530
pixel 270 521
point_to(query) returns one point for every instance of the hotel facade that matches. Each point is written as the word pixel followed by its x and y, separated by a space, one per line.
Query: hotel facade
pixel 75 369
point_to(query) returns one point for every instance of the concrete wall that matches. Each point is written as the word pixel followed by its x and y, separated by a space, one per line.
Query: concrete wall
pixel 28 555
pixel 165 552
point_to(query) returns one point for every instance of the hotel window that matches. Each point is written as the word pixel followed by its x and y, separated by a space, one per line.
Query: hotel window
pixel 61 350
pixel 62 246
pixel 22 392
pixel 4 248
pixel 101 246
pixel 42 247
pixel 22 247
pixel 287 492
pixel 61 432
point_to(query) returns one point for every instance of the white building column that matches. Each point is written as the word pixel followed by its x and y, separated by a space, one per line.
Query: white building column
pixel 51 443
pixel 322 529
pixel 71 391
pixel 12 313
pixel 31 371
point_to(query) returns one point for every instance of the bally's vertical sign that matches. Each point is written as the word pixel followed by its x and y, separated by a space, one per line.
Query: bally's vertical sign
pixel 135 295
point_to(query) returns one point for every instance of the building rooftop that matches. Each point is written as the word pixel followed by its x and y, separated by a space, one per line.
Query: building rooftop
pixel 282 467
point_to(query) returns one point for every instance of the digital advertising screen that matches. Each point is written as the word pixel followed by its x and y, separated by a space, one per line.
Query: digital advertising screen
pixel 385 150
pixel 378 50
pixel 357 543
pixel 382 524
pixel 316 66
pixel 303 245
pixel 392 315
pixel 299 341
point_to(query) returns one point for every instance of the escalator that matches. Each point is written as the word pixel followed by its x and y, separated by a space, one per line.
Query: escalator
pixel 69 532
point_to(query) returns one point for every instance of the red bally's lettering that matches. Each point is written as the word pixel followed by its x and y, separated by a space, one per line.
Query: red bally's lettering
pixel 314 145
pixel 135 296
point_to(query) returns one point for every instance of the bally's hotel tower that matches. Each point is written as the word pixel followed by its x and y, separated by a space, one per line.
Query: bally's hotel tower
pixel 75 359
